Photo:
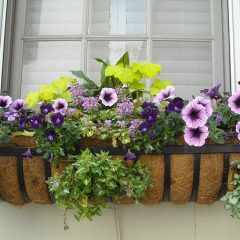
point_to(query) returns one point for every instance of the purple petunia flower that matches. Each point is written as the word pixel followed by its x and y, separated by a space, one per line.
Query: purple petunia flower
pixel 150 114
pixel 23 122
pixel 134 125
pixel 46 108
pixel 60 105
pixel 176 105
pixel 108 123
pixel 130 156
pixel 57 119
pixel 212 92
pixel 89 103
pixel 196 136
pixel 121 124
pixel 125 108
pixel 238 127
pixel 50 135
pixel 11 116
pixel 218 118
pixel 165 94
pixel 205 103
pixel 5 101
pixel 17 106
pixel 194 115
pixel 27 154
pixel 36 121
pixel 145 127
pixel 108 96
pixel 148 105
pixel 234 102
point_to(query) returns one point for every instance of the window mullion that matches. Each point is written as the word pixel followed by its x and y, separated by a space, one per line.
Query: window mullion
pixel 84 34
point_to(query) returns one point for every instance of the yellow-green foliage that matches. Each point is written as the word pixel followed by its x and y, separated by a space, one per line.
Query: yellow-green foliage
pixel 135 74
pixel 56 89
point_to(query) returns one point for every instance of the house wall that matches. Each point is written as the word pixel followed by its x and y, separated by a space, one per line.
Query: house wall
pixel 164 221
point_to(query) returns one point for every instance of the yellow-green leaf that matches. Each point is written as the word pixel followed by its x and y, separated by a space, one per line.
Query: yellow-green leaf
pixel 159 85
pixel 32 99
pixel 46 93
pixel 62 83
pixel 137 85
pixel 149 69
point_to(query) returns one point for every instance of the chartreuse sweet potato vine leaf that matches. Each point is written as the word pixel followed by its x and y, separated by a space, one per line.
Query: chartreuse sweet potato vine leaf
pixel 123 73
pixel 56 89
pixel 159 85
pixel 148 69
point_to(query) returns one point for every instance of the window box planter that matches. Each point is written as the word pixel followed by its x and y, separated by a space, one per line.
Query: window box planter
pixel 180 174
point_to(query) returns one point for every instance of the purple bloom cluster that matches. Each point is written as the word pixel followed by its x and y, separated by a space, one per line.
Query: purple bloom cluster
pixel 77 93
pixel 108 96
pixel 121 94
pixel 57 119
pixel 50 135
pixel 218 118
pixel 125 108
pixel 5 101
pixel 134 126
pixel 108 123
pixel 196 136
pixel 36 121
pixel 234 102
pixel 213 93
pixel 121 124
pixel 15 109
pixel 175 105
pixel 89 103
pixel 165 94
pixel 46 108
pixel 149 114
pixel 196 115
pixel 60 105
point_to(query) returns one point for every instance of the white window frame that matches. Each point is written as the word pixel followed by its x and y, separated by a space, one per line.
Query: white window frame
pixel 218 40
pixel 234 34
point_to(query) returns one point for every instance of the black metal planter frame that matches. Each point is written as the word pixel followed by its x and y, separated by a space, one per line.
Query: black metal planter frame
pixel 168 150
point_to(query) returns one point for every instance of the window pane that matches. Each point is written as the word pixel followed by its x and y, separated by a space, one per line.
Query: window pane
pixel 182 18
pixel 117 17
pixel 53 17
pixel 187 64
pixel 113 51
pixel 44 62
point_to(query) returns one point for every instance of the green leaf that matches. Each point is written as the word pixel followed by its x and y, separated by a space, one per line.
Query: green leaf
pixel 81 75
pixel 124 60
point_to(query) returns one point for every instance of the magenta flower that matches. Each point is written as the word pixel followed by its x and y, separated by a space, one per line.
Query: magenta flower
pixel 234 102
pixel 194 115
pixel 165 94
pixel 108 96
pixel 17 106
pixel 5 101
pixel 125 108
pixel 197 136
pixel 89 103
pixel 60 105
pixel 205 103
